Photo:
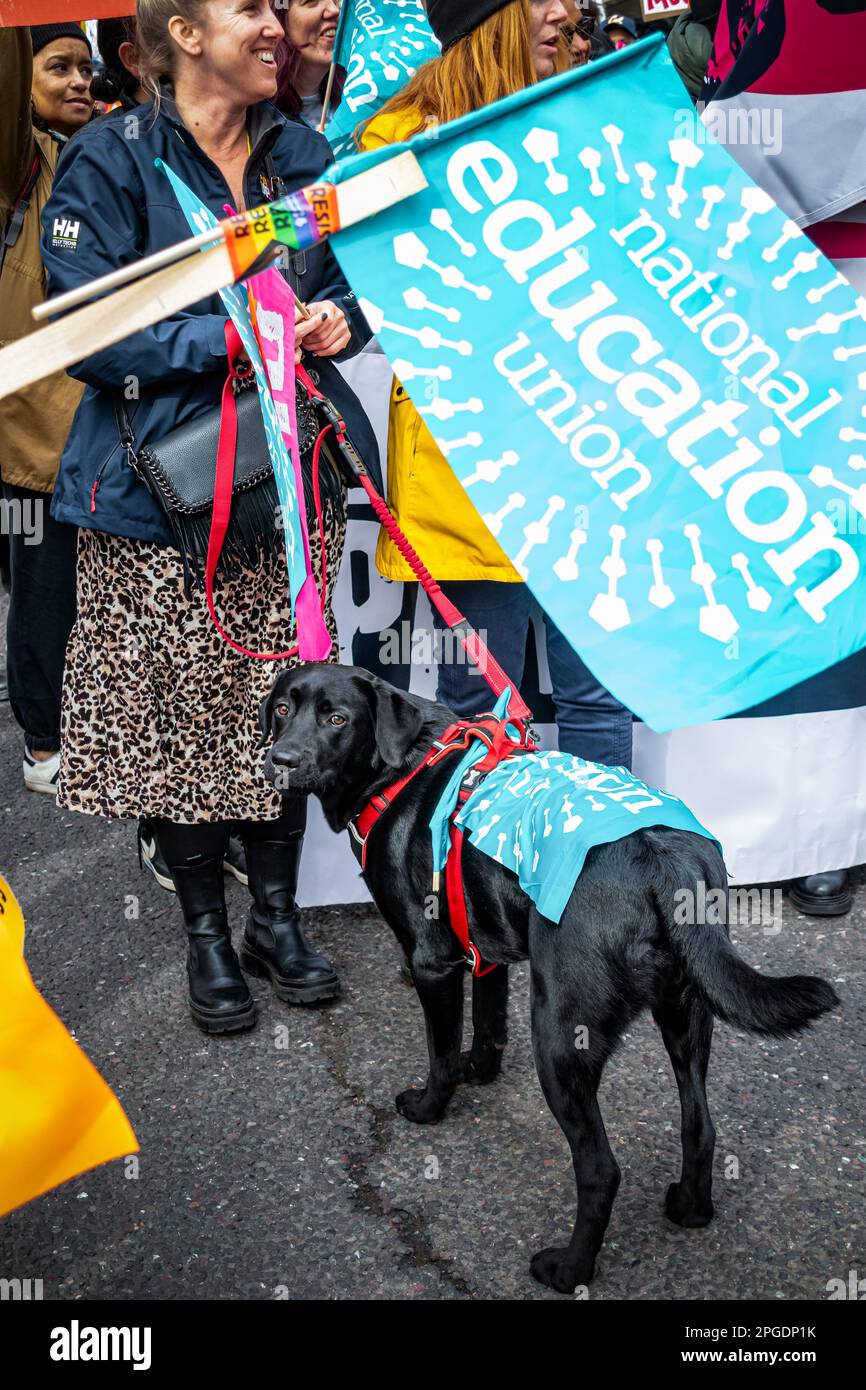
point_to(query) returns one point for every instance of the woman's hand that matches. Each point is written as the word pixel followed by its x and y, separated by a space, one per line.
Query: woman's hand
pixel 325 333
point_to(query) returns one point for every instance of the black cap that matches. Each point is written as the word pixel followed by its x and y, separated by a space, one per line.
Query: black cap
pixel 43 34
pixel 451 20
pixel 620 21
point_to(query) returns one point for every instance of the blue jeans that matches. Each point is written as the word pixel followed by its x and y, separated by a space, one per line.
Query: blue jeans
pixel 591 722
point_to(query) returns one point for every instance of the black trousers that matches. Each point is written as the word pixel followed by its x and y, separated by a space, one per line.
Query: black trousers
pixel 41 611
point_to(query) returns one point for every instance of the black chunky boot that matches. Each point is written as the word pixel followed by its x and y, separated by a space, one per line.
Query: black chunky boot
pixel 822 895
pixel 219 997
pixel 274 946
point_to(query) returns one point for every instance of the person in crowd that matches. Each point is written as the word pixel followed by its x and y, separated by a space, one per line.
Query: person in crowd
pixel 45 76
pixel 490 49
pixel 118 82
pixel 160 713
pixel 620 30
pixel 583 19
pixel 305 59
pixel 690 43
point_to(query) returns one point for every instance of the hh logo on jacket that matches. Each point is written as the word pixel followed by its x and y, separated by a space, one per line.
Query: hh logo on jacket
pixel 64 237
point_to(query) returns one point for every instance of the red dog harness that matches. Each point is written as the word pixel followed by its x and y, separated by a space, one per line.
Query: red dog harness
pixel 493 733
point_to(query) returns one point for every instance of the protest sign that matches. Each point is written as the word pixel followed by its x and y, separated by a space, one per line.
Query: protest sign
pixel 18 12
pixel 662 9
pixel 671 417
pixel 381 44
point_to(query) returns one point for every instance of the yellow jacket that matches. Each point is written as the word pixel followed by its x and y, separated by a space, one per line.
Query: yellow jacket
pixel 423 493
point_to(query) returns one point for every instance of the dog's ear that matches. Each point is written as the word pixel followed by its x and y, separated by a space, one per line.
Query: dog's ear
pixel 397 722
pixel 266 709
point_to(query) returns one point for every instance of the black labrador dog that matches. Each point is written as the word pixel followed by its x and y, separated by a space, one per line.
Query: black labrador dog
pixel 341 734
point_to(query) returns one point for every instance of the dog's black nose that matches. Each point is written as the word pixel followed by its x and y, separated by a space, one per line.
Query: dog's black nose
pixel 283 757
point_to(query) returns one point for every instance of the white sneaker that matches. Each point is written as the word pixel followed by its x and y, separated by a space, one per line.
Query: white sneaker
pixel 41 776
pixel 149 856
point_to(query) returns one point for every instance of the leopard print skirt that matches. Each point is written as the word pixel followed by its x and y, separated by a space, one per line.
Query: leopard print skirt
pixel 160 714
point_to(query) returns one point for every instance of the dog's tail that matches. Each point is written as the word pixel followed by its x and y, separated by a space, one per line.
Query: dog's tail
pixel 735 992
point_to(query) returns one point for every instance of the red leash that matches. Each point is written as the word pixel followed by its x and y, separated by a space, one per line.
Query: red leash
pixel 469 639
pixel 465 632
pixel 456 739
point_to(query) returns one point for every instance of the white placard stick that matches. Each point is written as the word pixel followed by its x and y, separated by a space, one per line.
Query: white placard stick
pixel 128 310
pixel 370 192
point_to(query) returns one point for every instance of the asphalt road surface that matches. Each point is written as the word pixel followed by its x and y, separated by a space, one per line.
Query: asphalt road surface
pixel 273 1164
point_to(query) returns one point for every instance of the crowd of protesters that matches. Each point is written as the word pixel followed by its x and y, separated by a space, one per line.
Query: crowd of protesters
pixel 130 702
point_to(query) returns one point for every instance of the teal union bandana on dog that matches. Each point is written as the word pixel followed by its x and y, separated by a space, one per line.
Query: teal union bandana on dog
pixel 539 814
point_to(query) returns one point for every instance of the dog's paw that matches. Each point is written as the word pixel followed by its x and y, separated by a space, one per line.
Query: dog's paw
pixel 419 1107
pixel 479 1069
pixel 685 1211
pixel 553 1268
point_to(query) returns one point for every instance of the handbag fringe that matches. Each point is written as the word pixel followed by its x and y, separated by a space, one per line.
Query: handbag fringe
pixel 254 531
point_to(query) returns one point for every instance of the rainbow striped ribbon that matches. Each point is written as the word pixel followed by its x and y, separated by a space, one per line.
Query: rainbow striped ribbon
pixel 299 220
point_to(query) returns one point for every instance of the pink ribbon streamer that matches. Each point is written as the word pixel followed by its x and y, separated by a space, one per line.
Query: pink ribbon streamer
pixel 273 311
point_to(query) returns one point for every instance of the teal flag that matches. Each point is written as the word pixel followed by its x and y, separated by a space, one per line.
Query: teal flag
pixel 650 383
pixel 539 815
pixel 381 44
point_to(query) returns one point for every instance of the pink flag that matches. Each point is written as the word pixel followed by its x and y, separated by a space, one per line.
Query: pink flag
pixel 273 311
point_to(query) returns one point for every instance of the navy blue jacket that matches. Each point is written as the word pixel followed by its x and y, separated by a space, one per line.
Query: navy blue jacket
pixel 124 208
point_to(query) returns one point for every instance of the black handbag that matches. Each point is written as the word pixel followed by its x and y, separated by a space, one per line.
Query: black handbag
pixel 179 469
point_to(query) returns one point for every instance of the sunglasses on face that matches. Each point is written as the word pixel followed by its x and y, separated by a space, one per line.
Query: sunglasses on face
pixel 584 27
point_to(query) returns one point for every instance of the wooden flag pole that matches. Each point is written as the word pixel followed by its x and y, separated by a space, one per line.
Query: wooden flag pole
pixel 362 196
pixel 134 271
pixel 116 316
pixel 323 119
pixel 326 104
pixel 173 286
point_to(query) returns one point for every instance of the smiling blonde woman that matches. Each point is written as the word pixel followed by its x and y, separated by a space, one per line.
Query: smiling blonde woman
pixel 160 714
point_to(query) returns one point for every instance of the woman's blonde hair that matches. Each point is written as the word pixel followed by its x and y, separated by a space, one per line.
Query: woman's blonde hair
pixel 491 62
pixel 155 45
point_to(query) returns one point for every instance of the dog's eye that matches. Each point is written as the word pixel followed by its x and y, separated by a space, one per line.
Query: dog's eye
pixel 281 710
pixel 336 719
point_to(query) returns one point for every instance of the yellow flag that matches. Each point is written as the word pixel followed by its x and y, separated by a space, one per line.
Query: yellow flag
pixel 57 1116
